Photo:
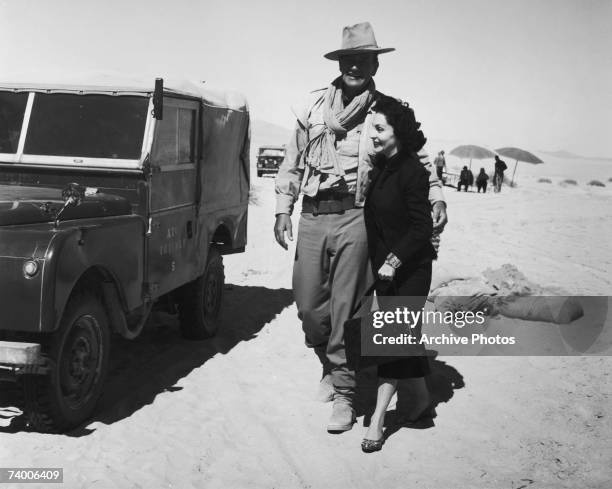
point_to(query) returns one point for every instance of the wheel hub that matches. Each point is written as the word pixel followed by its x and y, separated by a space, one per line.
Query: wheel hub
pixel 79 365
pixel 80 360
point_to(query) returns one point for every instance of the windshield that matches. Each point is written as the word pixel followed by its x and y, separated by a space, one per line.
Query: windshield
pixel 90 126
pixel 12 109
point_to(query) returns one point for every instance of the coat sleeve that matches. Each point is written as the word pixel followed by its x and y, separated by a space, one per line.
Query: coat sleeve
pixel 435 185
pixel 415 189
pixel 289 177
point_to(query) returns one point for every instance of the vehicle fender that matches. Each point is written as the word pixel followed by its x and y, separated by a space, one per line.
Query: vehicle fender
pixel 227 230
pixel 115 246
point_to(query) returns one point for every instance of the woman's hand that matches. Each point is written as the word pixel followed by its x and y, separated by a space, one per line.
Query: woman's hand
pixel 386 272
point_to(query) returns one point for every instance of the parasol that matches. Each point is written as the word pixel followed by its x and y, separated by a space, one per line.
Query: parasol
pixel 518 155
pixel 472 151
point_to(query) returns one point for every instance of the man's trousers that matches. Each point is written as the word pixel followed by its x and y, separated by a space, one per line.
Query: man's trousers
pixel 330 275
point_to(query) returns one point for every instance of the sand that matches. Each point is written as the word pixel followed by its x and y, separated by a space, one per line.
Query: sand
pixel 239 410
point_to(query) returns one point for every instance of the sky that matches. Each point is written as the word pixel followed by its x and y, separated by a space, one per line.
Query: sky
pixel 535 74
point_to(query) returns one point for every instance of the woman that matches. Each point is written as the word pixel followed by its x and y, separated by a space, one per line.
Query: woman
pixel 399 226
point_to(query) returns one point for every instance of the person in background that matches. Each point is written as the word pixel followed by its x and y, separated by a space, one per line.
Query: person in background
pixel 481 181
pixel 498 177
pixel 399 226
pixel 328 159
pixel 464 179
pixel 440 164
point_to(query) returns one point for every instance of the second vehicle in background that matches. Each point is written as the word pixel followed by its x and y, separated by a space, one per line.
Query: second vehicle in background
pixel 269 159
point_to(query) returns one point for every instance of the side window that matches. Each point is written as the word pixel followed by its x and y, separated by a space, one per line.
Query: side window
pixel 186 135
pixel 175 135
pixel 164 148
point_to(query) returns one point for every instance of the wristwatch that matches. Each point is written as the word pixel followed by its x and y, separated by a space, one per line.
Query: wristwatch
pixel 393 261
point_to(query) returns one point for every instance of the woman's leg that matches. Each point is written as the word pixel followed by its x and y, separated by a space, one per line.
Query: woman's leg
pixel 414 397
pixel 415 285
pixel 386 389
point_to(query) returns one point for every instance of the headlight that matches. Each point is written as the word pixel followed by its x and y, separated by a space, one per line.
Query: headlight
pixel 30 268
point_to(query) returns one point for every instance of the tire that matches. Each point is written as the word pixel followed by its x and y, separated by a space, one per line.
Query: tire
pixel 78 354
pixel 201 300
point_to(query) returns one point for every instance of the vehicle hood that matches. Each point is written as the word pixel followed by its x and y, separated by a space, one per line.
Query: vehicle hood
pixel 30 205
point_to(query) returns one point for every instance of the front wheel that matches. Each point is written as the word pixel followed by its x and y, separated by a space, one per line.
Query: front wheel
pixel 201 300
pixel 78 354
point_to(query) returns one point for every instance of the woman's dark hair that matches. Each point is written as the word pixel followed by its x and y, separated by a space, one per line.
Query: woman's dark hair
pixel 401 117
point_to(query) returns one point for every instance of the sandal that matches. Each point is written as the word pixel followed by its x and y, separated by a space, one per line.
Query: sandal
pixel 369 446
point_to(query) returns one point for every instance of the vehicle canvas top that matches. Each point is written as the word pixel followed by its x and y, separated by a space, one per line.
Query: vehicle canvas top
pixel 116 85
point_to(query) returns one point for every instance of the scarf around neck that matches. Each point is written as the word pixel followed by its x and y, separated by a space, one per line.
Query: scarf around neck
pixel 320 152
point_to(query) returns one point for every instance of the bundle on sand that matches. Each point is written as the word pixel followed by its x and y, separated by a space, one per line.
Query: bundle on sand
pixel 544 180
pixel 505 291
pixel 559 310
pixel 568 181
pixel 596 183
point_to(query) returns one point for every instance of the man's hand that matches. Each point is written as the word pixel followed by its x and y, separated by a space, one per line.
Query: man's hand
pixel 435 241
pixel 440 218
pixel 282 225
pixel 386 272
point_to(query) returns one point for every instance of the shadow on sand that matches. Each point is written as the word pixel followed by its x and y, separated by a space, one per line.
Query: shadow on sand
pixel 443 380
pixel 154 362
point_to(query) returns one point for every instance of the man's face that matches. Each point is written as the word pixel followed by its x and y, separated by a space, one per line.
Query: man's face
pixel 357 70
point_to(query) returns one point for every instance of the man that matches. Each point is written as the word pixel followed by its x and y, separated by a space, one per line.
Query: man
pixel 464 179
pixel 328 160
pixel 498 177
pixel 440 164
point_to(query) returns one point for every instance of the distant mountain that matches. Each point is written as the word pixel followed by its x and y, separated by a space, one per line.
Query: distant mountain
pixel 267 133
pixel 562 154
pixel 571 156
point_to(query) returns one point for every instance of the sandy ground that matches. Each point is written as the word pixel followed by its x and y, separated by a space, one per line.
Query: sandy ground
pixel 239 410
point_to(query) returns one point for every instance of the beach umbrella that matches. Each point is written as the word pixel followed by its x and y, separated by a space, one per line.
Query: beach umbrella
pixel 518 155
pixel 472 151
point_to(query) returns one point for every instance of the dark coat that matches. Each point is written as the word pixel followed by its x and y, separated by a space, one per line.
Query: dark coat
pixel 466 176
pixel 398 213
pixel 482 177
pixel 500 166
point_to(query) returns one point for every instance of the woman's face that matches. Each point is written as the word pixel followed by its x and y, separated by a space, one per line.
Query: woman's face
pixel 383 137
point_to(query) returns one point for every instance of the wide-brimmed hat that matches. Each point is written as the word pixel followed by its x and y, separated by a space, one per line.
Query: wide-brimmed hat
pixel 356 39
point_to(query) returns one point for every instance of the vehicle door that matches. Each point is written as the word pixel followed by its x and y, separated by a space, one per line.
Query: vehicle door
pixel 172 196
